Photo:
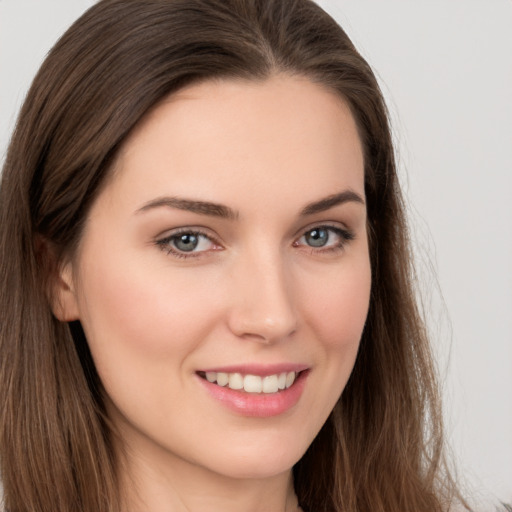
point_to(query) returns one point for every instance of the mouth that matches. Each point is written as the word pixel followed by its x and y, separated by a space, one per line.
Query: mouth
pixel 254 384
pixel 256 391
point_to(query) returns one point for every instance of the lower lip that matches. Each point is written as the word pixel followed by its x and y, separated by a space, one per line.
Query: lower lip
pixel 261 405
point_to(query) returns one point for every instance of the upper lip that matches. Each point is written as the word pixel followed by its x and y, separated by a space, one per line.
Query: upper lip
pixel 258 369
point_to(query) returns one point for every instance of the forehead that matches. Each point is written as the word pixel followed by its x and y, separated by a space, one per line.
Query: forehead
pixel 228 139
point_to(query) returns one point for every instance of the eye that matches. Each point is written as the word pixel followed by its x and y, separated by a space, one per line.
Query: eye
pixel 187 243
pixel 325 237
pixel 317 237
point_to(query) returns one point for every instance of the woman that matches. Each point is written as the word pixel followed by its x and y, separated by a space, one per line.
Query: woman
pixel 206 282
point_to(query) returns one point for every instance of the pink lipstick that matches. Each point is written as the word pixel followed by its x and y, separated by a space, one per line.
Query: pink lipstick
pixel 255 390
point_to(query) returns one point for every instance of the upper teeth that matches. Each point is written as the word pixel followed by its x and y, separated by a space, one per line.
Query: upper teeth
pixel 253 383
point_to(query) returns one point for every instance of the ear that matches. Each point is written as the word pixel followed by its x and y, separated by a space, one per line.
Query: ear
pixel 63 294
pixel 60 285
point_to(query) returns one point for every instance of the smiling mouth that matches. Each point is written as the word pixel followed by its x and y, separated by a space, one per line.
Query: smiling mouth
pixel 252 383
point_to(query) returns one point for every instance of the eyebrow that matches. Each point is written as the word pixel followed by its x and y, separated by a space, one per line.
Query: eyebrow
pixel 225 212
pixel 347 196
pixel 200 207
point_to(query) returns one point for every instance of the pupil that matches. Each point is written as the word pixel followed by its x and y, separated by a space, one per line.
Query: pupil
pixel 317 237
pixel 186 242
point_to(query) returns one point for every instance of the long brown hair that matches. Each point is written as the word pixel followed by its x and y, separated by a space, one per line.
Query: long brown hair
pixel 381 448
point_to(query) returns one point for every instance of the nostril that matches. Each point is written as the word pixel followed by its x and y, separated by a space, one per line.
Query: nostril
pixel 251 326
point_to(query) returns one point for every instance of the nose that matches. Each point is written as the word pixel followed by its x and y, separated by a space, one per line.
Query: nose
pixel 262 300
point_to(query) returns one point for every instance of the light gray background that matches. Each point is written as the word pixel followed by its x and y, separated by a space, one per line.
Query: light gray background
pixel 446 70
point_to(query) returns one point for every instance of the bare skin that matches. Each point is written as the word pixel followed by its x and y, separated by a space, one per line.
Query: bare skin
pixel 231 236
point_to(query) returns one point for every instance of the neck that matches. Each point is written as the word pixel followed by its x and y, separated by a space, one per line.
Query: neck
pixel 179 486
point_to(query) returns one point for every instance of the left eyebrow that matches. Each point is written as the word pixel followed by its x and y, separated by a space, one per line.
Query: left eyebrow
pixel 331 201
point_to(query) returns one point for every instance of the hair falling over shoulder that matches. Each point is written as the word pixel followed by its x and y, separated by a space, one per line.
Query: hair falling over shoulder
pixel 382 447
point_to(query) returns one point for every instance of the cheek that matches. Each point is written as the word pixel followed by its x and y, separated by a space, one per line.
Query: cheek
pixel 135 311
pixel 337 311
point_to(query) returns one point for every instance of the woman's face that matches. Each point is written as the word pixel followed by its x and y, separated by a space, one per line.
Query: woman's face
pixel 230 244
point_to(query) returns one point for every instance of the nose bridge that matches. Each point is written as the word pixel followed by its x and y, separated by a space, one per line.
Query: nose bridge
pixel 263 306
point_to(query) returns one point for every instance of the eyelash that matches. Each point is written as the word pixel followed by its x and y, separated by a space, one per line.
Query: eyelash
pixel 344 235
pixel 165 244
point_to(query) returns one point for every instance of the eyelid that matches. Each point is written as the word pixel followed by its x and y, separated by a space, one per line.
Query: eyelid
pixel 334 225
pixel 325 223
pixel 346 235
pixel 193 228
pixel 164 241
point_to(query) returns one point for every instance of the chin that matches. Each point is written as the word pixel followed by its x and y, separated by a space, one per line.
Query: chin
pixel 259 462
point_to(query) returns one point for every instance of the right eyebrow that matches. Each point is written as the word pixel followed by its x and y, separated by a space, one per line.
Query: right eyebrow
pixel 191 205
